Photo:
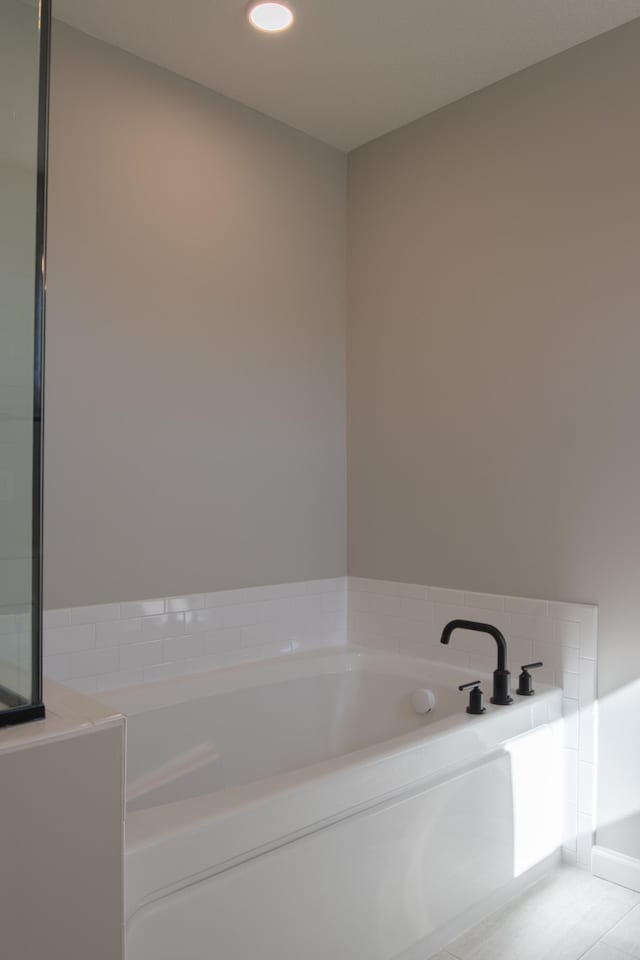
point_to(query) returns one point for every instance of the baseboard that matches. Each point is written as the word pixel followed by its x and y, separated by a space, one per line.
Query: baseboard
pixel 616 867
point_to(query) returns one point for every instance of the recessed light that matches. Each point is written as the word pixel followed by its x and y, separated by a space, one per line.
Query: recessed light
pixel 270 17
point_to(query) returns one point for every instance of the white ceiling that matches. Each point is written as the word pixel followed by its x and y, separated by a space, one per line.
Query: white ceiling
pixel 348 70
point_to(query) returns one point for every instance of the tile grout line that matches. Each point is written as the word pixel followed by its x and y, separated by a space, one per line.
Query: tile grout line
pixel 632 956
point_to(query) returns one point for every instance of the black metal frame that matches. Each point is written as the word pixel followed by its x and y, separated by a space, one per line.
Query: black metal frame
pixel 19 709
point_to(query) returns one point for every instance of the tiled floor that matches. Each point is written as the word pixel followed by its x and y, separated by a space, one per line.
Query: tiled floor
pixel 567 916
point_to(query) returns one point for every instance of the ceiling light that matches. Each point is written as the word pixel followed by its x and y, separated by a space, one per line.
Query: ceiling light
pixel 270 17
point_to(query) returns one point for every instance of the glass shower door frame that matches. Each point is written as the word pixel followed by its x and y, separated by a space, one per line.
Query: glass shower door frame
pixel 18 708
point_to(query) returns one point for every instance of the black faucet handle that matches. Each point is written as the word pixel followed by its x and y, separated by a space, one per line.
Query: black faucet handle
pixel 525 688
pixel 476 697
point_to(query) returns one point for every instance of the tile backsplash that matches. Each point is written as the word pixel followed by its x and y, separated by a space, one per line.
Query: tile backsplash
pixel 15 650
pixel 409 618
pixel 110 645
pixel 118 644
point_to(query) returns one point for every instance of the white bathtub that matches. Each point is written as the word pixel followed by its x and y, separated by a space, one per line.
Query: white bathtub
pixel 300 808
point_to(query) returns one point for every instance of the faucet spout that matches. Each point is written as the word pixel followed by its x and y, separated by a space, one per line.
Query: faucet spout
pixel 501 676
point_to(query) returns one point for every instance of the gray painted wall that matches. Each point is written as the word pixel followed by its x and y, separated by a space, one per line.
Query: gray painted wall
pixel 195 434
pixel 494 399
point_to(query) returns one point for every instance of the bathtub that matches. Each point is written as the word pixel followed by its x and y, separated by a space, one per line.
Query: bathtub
pixel 301 808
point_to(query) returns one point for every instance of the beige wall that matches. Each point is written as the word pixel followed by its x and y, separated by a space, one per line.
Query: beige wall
pixel 494 398
pixel 195 350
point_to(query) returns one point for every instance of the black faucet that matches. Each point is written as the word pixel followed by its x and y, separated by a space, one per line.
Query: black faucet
pixel 501 676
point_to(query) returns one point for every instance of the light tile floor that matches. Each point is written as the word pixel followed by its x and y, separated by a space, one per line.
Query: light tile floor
pixel 569 915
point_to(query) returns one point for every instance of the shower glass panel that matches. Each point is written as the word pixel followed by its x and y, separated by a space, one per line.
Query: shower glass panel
pixel 24 62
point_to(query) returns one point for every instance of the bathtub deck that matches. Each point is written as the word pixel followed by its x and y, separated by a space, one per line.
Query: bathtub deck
pixel 567 916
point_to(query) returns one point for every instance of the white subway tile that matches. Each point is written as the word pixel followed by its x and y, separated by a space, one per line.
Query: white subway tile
pixel 363 622
pixel 444 613
pixel 571 685
pixel 356 620
pixel 224 598
pixel 388 587
pixel 164 625
pixel 183 648
pixel 69 639
pixel 519 652
pixel 496 618
pixel 416 631
pixel 278 609
pixel 571 828
pixel 8 624
pixel 92 663
pixel 526 607
pixel 588 727
pixel 480 662
pixel 58 666
pixel 567 633
pixel 589 636
pixel 484 601
pixel 415 609
pixel 571 777
pixel 357 638
pixel 141 608
pixel 560 659
pixel 194 601
pixel 219 641
pixel 588 682
pixel 135 655
pixel 320 586
pixel 359 585
pixel 585 787
pixel 447 597
pixel 199 621
pixel 385 604
pixel 571 724
pixel 242 615
pixel 255 595
pixel 56 618
pixel 259 634
pixel 535 628
pixel 585 839
pixel 577 612
pixel 483 662
pixel 358 601
pixel 414 591
pixel 335 601
pixel 118 632
pixel 95 614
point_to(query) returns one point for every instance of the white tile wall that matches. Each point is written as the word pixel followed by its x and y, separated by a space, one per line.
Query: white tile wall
pixel 110 645
pixel 15 651
pixel 98 648
pixel 409 618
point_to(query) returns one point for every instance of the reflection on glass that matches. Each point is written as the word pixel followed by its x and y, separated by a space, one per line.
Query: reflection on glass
pixel 20 295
